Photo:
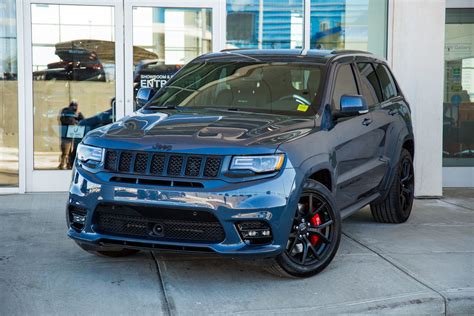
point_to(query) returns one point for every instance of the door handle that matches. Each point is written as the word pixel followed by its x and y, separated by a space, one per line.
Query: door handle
pixel 393 112
pixel 366 121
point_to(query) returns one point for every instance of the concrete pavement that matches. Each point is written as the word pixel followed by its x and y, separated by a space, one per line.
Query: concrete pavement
pixel 425 266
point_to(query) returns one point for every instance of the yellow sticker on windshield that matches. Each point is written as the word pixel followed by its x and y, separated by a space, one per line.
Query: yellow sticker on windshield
pixel 303 107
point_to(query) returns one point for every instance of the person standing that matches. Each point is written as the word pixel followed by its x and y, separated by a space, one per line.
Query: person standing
pixel 69 115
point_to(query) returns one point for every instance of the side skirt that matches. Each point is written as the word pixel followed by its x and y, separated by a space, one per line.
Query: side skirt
pixel 348 211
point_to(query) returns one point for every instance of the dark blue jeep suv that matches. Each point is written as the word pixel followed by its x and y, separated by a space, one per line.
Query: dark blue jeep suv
pixel 249 153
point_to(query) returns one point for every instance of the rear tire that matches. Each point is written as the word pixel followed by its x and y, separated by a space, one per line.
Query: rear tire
pixel 108 253
pixel 397 205
pixel 314 237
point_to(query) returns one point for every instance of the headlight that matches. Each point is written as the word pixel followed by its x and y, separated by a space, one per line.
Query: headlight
pixel 258 164
pixel 89 154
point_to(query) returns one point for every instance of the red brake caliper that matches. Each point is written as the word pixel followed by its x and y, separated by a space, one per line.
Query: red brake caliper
pixel 315 221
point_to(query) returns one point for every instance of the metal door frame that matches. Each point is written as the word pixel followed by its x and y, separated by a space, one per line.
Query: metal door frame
pixel 57 180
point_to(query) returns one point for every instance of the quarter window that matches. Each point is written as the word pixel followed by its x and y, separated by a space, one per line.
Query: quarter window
pixel 387 84
pixel 369 84
pixel 345 84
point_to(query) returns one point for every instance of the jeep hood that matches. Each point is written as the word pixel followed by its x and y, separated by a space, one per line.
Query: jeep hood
pixel 201 130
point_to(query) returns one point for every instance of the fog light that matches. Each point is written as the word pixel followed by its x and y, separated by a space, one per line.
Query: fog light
pixel 77 217
pixel 251 233
pixel 255 232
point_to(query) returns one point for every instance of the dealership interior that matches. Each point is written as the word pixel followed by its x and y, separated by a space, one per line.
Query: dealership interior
pixel 98 54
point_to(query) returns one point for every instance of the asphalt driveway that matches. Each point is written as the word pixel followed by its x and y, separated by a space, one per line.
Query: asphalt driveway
pixel 425 266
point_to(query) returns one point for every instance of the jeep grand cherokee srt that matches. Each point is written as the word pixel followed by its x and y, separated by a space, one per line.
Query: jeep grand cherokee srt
pixel 249 153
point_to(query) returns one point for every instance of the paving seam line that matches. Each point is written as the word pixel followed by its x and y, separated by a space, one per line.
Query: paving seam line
pixel 162 285
pixel 445 300
pixel 458 205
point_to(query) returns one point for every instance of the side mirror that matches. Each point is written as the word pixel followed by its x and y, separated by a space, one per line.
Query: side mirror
pixel 143 96
pixel 352 105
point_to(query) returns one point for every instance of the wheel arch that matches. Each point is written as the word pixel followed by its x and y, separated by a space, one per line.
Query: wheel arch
pixel 324 177
pixel 409 145
pixel 319 168
pixel 405 141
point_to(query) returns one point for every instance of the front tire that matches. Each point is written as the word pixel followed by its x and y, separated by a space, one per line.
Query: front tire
pixel 397 205
pixel 315 234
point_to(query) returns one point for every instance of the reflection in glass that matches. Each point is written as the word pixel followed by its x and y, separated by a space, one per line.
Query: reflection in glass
pixel 458 107
pixel 8 96
pixel 265 24
pixel 73 49
pixel 164 39
pixel 349 24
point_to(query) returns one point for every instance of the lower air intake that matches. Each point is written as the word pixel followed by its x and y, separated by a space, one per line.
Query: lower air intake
pixel 158 224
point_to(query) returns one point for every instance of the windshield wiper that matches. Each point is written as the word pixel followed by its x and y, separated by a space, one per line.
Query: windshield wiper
pixel 161 107
pixel 218 108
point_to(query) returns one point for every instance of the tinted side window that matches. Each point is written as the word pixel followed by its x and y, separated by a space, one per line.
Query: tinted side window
pixel 369 84
pixel 345 84
pixel 389 89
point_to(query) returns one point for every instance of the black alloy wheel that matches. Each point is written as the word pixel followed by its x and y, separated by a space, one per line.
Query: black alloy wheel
pixel 315 234
pixel 396 206
pixel 312 231
pixel 407 185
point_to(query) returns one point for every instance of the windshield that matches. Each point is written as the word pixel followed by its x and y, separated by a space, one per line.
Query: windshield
pixel 273 87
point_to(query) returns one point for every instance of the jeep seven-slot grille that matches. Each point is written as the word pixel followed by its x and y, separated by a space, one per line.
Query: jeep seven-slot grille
pixel 157 164
pixel 158 224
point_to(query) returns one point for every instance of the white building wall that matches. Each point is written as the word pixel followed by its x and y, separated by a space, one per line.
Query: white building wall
pixel 417 58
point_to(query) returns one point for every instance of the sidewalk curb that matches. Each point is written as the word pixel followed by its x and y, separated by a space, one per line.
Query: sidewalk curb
pixel 412 303
pixel 459 301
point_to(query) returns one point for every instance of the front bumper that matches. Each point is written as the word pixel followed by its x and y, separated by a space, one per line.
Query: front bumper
pixel 272 200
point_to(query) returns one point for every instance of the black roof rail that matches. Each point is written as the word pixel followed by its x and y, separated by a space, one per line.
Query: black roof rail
pixel 349 51
pixel 234 49
pixel 305 51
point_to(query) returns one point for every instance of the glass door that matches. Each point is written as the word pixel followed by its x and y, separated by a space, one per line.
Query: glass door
pixel 9 128
pixel 74 82
pixel 82 70
pixel 162 36
pixel 458 105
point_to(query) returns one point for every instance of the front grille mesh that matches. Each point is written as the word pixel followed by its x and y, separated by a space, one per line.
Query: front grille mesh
pixel 193 166
pixel 196 226
pixel 110 160
pixel 175 165
pixel 212 167
pixel 125 161
pixel 157 164
pixel 141 161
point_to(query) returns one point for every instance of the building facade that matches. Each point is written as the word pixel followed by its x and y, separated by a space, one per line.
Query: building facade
pixel 98 53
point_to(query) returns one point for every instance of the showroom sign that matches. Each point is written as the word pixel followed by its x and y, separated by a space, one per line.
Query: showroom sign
pixel 154 81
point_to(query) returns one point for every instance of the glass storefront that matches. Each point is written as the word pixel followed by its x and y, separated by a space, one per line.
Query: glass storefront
pixel 75 80
pixel 349 24
pixel 458 106
pixel 265 24
pixel 72 59
pixel 8 96
pixel 73 49
pixel 164 39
